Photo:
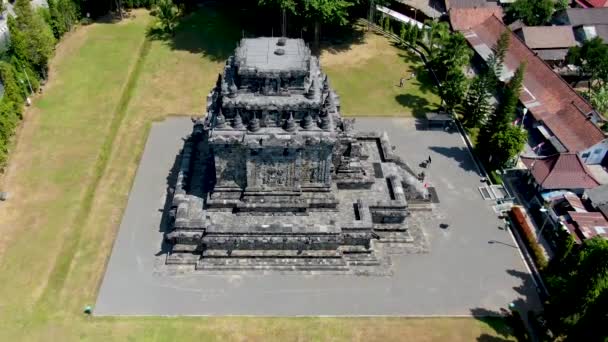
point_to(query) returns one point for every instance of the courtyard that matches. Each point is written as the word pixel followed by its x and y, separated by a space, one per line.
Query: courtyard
pixel 78 152
pixel 473 265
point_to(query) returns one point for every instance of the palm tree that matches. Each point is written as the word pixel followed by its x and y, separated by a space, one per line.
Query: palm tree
pixel 167 13
pixel 599 98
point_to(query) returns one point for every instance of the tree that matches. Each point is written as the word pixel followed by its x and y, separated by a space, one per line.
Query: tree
pixel 318 12
pixel 497 59
pixel 285 6
pixel 31 40
pixel 63 14
pixel 454 54
pixel 167 14
pixel 476 107
pixel 453 88
pixel 531 12
pixel 592 58
pixel 502 118
pixel 578 302
pixel 506 144
pixel 326 11
pixel 437 33
pixel 599 98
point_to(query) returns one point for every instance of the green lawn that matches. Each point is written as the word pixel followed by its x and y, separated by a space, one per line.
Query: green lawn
pixel 367 79
pixel 72 169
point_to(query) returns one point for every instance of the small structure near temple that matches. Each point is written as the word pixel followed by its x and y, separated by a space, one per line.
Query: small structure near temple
pixel 273 178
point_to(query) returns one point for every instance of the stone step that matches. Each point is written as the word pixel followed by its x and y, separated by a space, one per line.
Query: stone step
pixel 273 253
pixel 390 227
pixel 276 264
pixel 394 237
pixel 420 206
pixel 182 259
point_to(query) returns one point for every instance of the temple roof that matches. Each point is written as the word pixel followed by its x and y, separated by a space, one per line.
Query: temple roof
pixel 265 54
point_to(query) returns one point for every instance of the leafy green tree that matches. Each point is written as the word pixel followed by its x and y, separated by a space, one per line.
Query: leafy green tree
pixel 531 12
pixel 167 14
pixel 476 107
pixel 578 303
pixel 506 144
pixel 452 90
pixel 437 33
pixel 592 58
pixel 317 12
pixel 499 51
pixel 502 118
pixel 599 98
pixel 31 38
pixel 13 92
pixel 63 15
pixel 286 6
pixel 454 54
pixel 326 11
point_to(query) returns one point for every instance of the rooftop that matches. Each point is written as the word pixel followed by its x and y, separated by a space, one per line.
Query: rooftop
pixel 265 54
pixel 466 18
pixel 547 37
pixel 592 3
pixel 469 3
pixel 598 196
pixel 587 16
pixel 546 95
pixel 560 171
pixel 589 224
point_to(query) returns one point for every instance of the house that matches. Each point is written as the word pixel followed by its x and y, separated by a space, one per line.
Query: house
pixel 563 120
pixel 586 225
pixel 550 43
pixel 591 3
pixel 587 23
pixel 463 19
pixel 562 171
pixel 449 4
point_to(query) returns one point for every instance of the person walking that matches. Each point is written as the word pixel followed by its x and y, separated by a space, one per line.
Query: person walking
pixel 401 81
pixel 429 160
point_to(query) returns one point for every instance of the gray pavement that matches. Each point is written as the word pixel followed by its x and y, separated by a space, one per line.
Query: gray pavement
pixel 473 267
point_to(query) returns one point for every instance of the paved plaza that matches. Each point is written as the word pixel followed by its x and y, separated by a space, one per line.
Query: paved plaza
pixel 473 266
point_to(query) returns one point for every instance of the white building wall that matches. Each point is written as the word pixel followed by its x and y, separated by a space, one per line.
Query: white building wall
pixel 595 154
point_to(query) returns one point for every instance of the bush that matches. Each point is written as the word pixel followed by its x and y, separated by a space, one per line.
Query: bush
pixel 518 216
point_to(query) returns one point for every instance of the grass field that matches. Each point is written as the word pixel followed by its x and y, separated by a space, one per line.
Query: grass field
pixel 71 172
pixel 366 76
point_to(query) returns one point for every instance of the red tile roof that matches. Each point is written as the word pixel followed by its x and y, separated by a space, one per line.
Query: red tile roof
pixel 465 18
pixel 589 224
pixel 560 171
pixel 593 3
pixel 548 97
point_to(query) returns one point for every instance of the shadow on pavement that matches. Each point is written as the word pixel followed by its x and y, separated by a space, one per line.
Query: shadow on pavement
pixel 503 322
pixel 459 154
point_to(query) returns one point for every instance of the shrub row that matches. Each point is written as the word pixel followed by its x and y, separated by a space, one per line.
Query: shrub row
pixel 519 218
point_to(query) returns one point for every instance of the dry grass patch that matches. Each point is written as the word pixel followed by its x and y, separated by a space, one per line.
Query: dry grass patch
pixel 57 161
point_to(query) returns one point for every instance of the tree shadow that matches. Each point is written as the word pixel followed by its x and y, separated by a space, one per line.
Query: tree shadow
pixel 423 76
pixel 343 38
pixel 212 31
pixel 459 154
pixel 215 28
pixel 503 322
pixel 417 104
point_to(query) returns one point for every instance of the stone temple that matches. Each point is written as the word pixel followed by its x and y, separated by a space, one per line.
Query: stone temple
pixel 273 178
